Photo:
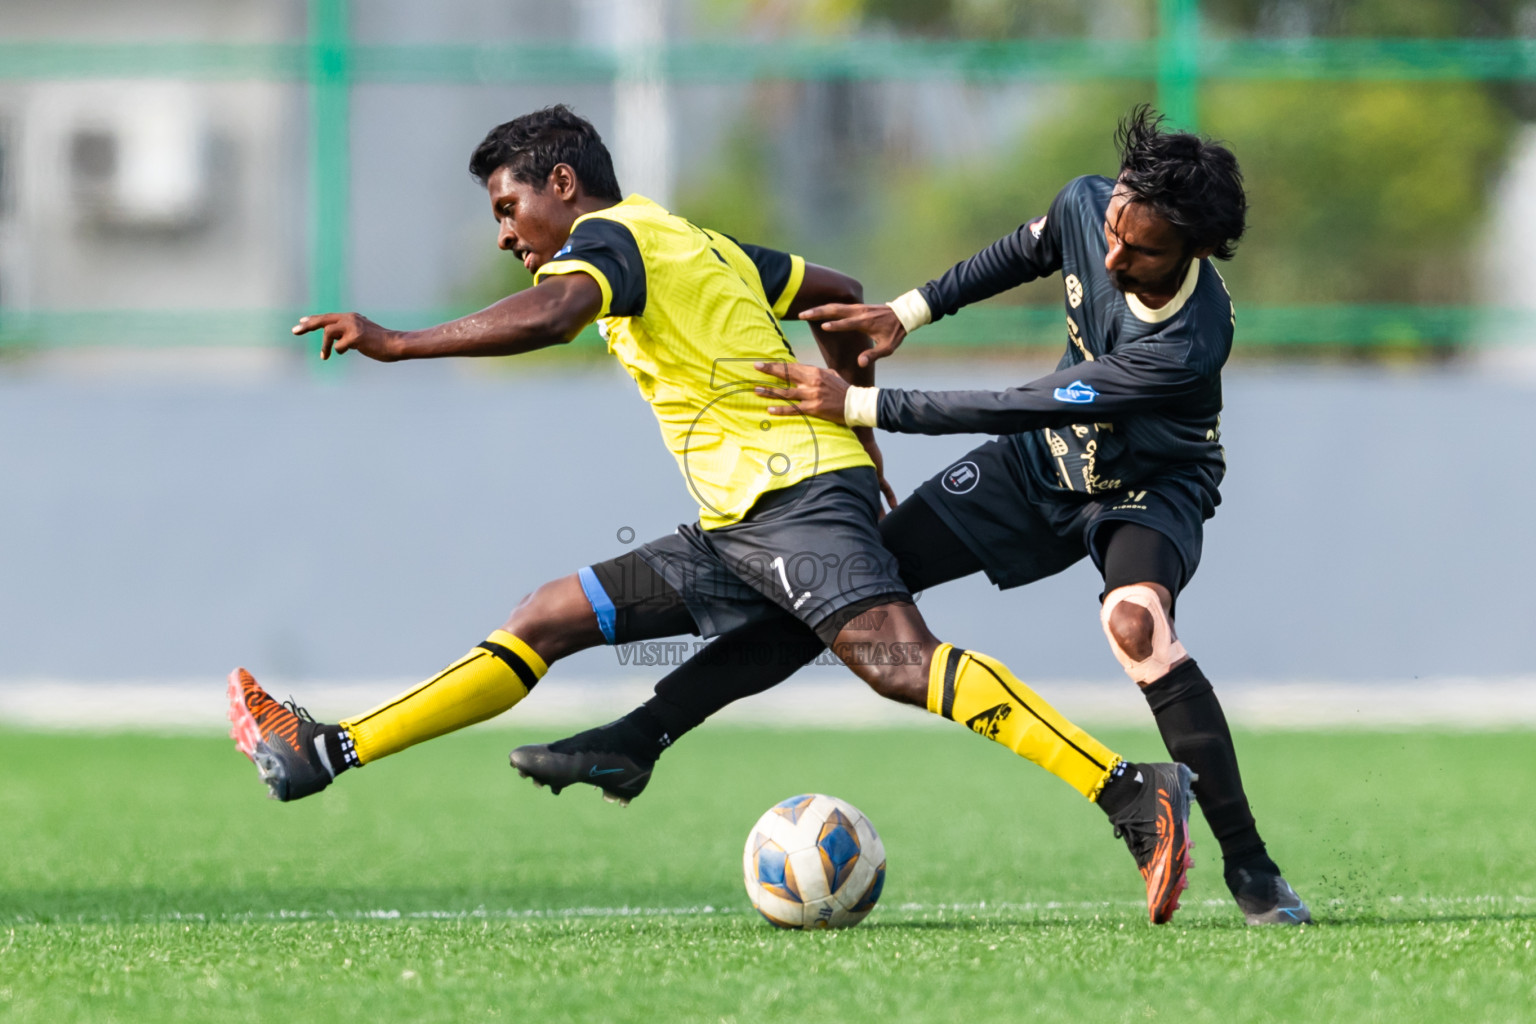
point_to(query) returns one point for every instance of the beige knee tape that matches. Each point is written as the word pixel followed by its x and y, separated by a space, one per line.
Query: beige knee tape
pixel 1166 649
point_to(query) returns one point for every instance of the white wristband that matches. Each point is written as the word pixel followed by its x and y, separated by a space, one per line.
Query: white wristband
pixel 912 310
pixel 861 407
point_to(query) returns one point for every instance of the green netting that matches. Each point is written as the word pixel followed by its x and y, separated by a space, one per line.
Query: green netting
pixel 1372 60
pixel 1350 327
pixel 1177 60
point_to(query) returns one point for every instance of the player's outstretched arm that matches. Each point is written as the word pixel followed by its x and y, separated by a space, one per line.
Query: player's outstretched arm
pixel 1006 263
pixel 1029 253
pixel 552 312
pixel 1140 379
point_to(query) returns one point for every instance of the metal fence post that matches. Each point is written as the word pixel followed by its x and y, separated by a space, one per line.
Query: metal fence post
pixel 330 73
pixel 1178 61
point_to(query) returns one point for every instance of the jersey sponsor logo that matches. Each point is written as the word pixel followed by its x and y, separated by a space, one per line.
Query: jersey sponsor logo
pixel 1077 393
pixel 565 250
pixel 1037 228
pixel 1074 291
pixel 961 477
pixel 990 721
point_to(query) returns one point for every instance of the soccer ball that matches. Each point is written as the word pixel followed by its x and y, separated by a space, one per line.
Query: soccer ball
pixel 814 861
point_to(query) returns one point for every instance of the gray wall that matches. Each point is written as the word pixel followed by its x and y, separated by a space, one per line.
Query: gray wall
pixel 379 521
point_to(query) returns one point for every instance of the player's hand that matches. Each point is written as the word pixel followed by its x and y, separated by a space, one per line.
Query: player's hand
pixel 352 331
pixel 816 391
pixel 879 322
pixel 866 436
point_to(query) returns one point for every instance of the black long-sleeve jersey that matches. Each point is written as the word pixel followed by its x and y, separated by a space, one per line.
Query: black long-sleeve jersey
pixel 1137 394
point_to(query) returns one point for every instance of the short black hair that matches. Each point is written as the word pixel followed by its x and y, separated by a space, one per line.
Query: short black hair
pixel 1187 179
pixel 533 144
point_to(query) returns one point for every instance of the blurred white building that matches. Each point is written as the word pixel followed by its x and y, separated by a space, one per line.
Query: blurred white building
pixel 143 193
pixel 137 192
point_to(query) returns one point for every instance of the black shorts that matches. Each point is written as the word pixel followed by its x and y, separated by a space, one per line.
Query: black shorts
pixel 812 550
pixel 1023 529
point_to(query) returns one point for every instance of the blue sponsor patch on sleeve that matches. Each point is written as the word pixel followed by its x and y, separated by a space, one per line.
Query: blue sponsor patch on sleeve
pixel 566 251
pixel 1077 393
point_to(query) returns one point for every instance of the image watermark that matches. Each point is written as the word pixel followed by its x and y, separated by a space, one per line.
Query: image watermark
pixel 671 653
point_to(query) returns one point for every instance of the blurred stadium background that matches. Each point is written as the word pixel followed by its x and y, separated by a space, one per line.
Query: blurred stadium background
pixel 183 487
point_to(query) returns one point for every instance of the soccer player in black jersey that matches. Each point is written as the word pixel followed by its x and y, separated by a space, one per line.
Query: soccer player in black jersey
pixel 1115 456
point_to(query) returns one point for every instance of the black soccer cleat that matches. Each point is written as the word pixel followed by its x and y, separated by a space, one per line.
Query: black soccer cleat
pixel 282 740
pixel 1156 828
pixel 591 757
pixel 1267 898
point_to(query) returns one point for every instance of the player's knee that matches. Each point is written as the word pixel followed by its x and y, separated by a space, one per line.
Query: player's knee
pixel 1140 633
pixel 527 614
pixel 554 620
pixel 1130 629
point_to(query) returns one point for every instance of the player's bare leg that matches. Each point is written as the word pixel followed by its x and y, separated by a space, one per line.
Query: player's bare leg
pixel 1148 804
pixel 1138 624
pixel 297 756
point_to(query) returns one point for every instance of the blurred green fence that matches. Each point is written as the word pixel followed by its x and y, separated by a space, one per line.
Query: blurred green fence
pixel 1178 60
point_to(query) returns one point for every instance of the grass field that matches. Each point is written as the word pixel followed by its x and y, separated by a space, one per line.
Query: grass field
pixel 145 879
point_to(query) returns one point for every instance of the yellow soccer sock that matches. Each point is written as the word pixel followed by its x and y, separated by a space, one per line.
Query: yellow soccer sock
pixel 482 684
pixel 980 692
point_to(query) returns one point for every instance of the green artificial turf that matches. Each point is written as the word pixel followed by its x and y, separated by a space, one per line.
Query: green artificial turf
pixel 145 879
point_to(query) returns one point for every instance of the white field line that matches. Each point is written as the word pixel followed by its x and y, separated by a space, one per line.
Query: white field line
pixel 825 699
pixel 1430 903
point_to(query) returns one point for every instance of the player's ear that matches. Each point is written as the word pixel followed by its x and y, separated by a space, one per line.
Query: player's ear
pixel 562 178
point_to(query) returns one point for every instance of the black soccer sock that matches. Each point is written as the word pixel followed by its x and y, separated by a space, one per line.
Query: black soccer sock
pixel 1125 781
pixel 738 664
pixel 339 749
pixel 1195 732
pixel 638 735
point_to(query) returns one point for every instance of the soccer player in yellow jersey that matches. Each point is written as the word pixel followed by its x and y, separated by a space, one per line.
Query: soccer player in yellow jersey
pixel 787 507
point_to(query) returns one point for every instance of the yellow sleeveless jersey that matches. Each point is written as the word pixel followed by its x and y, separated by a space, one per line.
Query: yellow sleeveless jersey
pixel 688 311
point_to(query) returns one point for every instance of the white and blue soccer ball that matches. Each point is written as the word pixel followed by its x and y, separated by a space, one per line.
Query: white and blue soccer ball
pixel 814 861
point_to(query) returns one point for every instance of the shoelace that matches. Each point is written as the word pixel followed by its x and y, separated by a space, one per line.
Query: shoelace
pixel 292 705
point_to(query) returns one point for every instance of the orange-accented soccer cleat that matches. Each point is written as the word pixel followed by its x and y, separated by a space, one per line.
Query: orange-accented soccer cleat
pixel 1156 828
pixel 282 740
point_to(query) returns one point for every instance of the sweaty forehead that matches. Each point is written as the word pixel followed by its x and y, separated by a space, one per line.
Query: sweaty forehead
pixel 1138 224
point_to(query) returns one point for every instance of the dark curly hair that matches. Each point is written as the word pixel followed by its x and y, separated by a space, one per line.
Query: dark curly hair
pixel 533 144
pixel 1190 181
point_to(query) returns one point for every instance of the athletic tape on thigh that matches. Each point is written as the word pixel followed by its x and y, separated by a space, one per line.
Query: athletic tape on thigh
pixel 1166 649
